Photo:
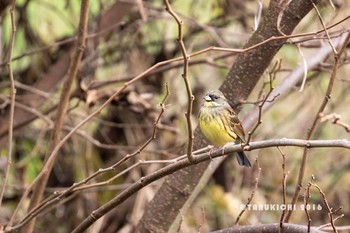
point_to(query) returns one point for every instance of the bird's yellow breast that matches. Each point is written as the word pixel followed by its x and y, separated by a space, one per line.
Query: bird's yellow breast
pixel 215 131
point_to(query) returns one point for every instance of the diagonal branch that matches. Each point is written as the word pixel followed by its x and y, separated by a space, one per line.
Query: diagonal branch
pixel 169 169
pixel 316 120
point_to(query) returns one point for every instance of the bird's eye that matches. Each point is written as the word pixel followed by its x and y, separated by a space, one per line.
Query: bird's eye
pixel 214 97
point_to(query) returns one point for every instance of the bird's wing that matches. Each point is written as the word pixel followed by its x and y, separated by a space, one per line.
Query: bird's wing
pixel 236 125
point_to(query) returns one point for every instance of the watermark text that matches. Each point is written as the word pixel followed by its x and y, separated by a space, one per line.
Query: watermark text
pixel 278 207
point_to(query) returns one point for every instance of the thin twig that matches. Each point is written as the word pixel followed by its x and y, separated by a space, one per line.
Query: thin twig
pixel 256 182
pixel 59 195
pixel 93 35
pixel 335 119
pixel 284 185
pixel 307 196
pixel 83 122
pixel 204 220
pixel 260 101
pixel 12 102
pixel 316 121
pixel 330 211
pixel 331 3
pixel 339 228
pixel 261 104
pixel 324 28
pixel 257 16
pixel 289 82
pixel 99 144
pixel 166 62
pixel 110 180
pixel 31 89
pixel 190 96
pixel 305 68
pixel 154 134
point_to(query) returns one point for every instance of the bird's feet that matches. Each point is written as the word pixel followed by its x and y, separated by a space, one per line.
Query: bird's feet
pixel 212 150
pixel 223 149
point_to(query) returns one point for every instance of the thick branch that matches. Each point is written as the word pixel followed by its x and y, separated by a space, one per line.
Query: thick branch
pixel 180 165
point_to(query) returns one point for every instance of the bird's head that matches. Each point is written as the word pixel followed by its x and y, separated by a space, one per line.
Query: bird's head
pixel 214 98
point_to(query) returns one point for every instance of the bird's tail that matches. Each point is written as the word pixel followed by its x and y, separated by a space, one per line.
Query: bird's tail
pixel 243 159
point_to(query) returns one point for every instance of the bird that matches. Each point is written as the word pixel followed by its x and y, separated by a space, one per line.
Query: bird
pixel 220 124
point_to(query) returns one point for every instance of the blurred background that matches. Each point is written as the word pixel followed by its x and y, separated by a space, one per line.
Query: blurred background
pixel 125 39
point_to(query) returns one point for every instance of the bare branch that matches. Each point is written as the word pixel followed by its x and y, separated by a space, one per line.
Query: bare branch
pixel 307 196
pixel 284 184
pixel 154 133
pixel 330 211
pixel 305 68
pixel 335 119
pixel 261 104
pixel 169 169
pixel 158 67
pixel 190 96
pixel 292 79
pixel 12 102
pixel 316 121
pixel 256 181
pixel 324 28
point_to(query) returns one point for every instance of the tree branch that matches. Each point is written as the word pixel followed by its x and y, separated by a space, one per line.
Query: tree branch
pixel 12 102
pixel 315 122
pixel 190 96
pixel 184 163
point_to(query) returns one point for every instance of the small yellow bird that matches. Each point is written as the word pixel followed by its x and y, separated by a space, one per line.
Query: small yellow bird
pixel 219 123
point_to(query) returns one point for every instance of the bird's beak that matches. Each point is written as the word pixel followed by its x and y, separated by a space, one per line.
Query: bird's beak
pixel 207 98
